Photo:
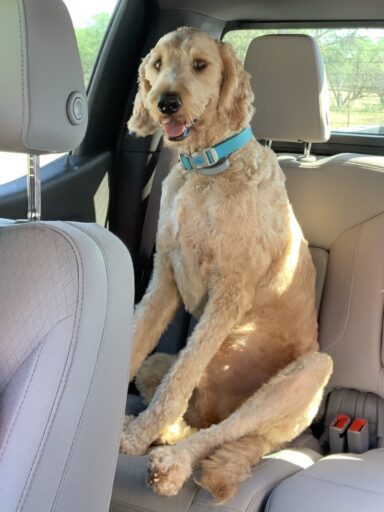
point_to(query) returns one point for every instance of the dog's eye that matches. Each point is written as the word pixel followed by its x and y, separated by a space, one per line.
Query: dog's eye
pixel 199 64
pixel 157 65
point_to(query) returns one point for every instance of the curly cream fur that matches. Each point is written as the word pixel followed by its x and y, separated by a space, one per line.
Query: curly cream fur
pixel 229 247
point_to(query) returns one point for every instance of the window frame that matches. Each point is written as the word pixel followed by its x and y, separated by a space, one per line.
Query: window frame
pixel 339 142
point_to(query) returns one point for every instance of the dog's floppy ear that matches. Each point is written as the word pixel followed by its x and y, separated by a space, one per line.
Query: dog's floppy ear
pixel 236 95
pixel 141 122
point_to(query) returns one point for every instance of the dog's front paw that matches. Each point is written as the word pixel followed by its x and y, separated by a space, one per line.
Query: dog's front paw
pixel 131 441
pixel 168 469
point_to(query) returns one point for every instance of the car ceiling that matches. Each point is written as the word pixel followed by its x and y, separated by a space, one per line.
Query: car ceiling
pixel 281 10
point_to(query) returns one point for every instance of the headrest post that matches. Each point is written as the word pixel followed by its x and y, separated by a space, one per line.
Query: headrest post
pixel 307 157
pixel 268 144
pixel 34 188
pixel 307 150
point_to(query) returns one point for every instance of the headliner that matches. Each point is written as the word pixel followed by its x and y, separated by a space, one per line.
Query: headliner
pixel 281 10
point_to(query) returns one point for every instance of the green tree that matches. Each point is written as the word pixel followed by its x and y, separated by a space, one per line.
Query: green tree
pixel 351 64
pixel 89 40
pixel 378 76
pixel 354 62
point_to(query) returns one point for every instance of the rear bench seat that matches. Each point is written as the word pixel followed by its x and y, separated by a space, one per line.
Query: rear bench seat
pixel 339 202
pixel 342 483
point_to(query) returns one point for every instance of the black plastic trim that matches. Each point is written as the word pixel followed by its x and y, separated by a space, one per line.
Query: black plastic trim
pixel 68 188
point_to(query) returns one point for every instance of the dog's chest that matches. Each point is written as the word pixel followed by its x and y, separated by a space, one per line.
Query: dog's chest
pixel 187 230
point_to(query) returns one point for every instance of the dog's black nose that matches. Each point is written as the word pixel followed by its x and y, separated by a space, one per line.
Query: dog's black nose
pixel 169 103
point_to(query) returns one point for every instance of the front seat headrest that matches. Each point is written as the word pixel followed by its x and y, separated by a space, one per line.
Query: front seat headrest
pixel 43 106
pixel 290 86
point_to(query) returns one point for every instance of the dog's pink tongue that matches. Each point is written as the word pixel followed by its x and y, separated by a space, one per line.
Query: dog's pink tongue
pixel 174 129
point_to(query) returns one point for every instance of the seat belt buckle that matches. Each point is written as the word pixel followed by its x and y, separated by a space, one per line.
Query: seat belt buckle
pixel 358 436
pixel 338 433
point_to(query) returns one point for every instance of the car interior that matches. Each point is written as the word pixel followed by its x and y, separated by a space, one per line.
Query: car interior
pixel 72 268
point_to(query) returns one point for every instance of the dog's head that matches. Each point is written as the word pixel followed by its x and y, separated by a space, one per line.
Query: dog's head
pixel 191 84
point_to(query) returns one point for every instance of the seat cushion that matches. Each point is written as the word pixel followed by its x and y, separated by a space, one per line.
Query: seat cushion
pixel 130 494
pixel 343 482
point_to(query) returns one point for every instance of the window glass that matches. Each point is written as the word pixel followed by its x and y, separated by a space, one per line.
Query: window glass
pixel 91 20
pixel 354 62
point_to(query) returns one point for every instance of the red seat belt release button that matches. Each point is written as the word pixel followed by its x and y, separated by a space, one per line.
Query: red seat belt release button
pixel 358 436
pixel 337 433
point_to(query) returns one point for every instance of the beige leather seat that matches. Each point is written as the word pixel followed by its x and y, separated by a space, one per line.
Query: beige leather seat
pixel 66 292
pixel 339 202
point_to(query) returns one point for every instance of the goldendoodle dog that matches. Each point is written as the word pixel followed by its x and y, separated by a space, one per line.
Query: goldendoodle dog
pixel 229 247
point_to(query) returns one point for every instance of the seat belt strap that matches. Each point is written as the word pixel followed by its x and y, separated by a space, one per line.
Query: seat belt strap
pixel 167 159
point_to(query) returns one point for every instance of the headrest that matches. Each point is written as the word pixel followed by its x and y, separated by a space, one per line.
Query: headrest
pixel 43 105
pixel 290 87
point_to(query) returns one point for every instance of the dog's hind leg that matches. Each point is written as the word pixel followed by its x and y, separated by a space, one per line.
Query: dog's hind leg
pixel 151 373
pixel 278 412
pixel 229 465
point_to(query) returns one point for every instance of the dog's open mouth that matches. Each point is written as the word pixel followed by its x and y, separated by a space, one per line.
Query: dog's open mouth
pixel 175 130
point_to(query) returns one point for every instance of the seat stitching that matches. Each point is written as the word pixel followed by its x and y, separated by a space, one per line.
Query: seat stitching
pixel 220 508
pixel 134 508
pixel 66 372
pixel 315 54
pixel 21 402
pixel 82 417
pixel 30 379
pixel 192 498
pixel 338 484
pixel 20 9
pixel 43 336
pixel 357 245
pixel 269 487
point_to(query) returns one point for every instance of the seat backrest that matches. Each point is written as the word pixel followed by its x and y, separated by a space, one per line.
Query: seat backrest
pixel 339 202
pixel 66 292
pixel 66 301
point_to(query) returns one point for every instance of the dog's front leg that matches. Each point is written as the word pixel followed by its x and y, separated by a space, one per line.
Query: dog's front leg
pixel 225 306
pixel 154 312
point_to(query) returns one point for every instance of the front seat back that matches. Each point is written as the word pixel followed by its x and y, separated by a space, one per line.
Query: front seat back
pixel 66 292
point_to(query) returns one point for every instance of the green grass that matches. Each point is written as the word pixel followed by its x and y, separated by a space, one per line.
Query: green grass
pixel 355 118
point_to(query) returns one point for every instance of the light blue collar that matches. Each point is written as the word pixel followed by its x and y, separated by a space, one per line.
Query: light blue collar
pixel 213 160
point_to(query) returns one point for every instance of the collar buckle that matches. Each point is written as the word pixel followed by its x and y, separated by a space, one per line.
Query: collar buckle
pixel 199 160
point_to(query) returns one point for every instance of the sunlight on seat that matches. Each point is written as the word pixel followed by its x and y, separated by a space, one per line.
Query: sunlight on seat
pixel 349 457
pixel 299 459
pixel 292 258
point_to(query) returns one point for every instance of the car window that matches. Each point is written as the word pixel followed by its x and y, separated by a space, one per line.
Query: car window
pixel 354 62
pixel 91 20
